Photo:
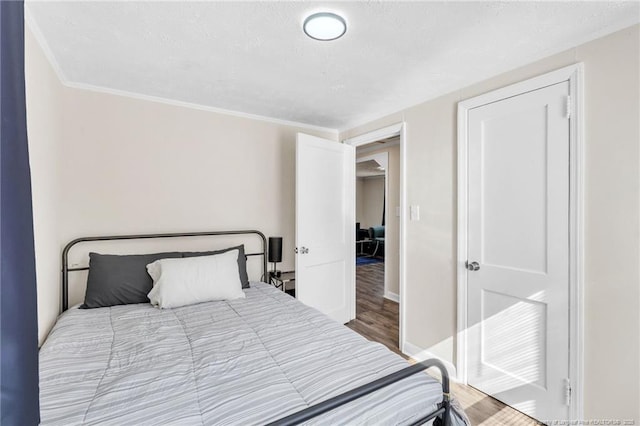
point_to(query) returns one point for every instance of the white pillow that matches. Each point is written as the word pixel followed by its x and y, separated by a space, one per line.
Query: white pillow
pixel 186 281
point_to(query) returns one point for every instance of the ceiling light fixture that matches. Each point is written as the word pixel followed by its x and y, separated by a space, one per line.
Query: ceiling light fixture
pixel 324 26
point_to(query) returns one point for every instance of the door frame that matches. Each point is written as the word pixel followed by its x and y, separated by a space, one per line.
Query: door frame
pixel 398 129
pixel 574 74
pixel 382 158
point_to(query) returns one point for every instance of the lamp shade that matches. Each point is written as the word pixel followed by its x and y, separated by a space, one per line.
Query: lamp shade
pixel 275 249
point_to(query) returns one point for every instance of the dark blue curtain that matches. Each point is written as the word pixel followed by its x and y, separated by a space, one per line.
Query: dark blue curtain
pixel 18 305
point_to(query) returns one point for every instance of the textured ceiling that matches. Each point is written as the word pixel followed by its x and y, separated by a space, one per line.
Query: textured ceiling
pixel 253 57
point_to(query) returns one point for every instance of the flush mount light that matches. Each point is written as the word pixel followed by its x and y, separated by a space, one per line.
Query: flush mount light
pixel 324 26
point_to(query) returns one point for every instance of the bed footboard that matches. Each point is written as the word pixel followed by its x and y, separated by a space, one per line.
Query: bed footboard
pixel 443 409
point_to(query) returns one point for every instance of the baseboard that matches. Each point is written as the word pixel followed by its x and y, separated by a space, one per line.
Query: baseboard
pixel 392 296
pixel 418 354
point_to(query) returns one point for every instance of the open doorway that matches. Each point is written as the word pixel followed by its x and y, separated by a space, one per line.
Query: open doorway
pixel 377 248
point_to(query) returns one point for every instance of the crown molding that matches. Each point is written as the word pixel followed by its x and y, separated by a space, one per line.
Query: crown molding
pixel 200 107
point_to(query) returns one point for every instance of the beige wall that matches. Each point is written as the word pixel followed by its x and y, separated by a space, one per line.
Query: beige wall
pixel 44 94
pixel 372 201
pixel 612 217
pixel 106 164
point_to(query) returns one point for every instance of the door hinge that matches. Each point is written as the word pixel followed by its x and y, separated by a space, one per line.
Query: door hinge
pixel 569 106
pixel 567 392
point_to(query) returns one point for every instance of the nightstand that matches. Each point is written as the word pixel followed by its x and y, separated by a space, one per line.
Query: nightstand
pixel 285 278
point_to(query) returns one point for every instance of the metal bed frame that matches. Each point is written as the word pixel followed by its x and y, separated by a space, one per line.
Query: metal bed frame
pixel 442 413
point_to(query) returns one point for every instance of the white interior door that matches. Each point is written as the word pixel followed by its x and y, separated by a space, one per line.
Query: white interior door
pixel 518 237
pixel 325 233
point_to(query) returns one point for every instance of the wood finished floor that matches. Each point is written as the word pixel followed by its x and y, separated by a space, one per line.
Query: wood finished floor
pixel 377 320
pixel 376 317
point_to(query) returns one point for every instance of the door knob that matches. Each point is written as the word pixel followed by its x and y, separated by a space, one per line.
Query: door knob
pixel 303 250
pixel 473 266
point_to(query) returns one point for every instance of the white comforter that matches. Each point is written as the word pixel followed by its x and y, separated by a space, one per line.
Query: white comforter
pixel 240 362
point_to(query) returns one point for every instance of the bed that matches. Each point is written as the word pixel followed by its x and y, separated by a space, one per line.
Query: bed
pixel 262 359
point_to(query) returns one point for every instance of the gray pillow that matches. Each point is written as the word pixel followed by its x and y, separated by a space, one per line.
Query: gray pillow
pixel 242 260
pixel 120 280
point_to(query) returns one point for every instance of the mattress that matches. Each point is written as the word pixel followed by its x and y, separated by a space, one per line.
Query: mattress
pixel 239 362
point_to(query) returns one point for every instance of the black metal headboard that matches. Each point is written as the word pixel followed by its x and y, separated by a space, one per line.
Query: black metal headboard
pixel 65 251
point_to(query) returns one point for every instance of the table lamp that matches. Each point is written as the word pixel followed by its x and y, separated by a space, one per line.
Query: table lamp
pixel 275 253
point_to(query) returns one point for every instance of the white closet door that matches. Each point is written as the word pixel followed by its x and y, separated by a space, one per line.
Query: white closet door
pixel 518 237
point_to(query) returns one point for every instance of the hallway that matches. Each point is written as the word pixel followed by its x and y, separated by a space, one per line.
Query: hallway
pixel 377 318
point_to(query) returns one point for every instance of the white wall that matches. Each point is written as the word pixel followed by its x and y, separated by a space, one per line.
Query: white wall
pixel 106 164
pixel 612 215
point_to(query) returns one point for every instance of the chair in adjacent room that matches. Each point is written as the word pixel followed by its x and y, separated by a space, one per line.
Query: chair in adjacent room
pixel 376 234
